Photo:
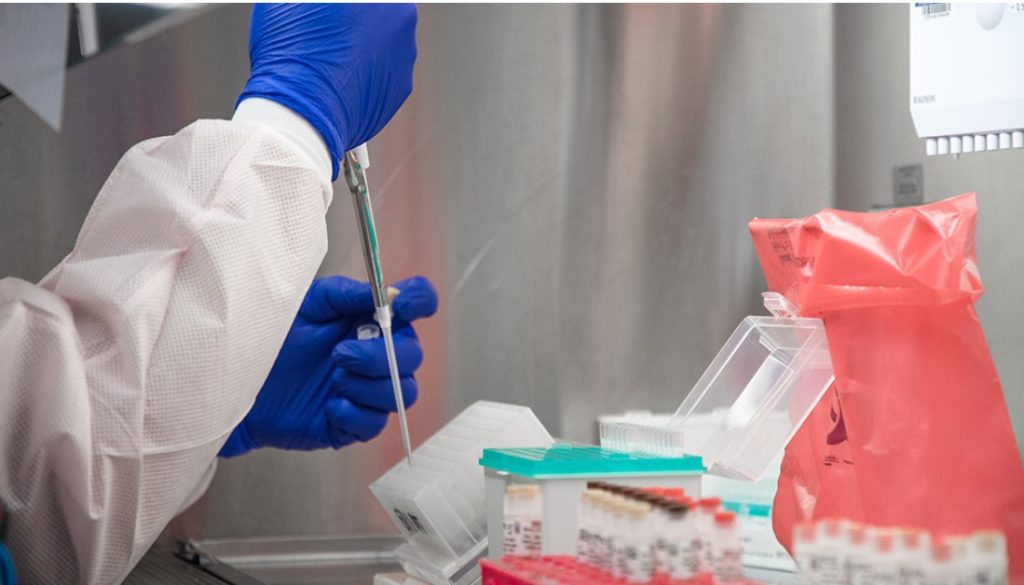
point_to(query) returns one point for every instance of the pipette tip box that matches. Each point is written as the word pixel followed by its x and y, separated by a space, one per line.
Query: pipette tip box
pixel 750 401
pixel 438 503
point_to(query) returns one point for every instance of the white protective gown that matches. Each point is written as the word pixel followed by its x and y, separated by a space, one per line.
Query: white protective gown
pixel 123 372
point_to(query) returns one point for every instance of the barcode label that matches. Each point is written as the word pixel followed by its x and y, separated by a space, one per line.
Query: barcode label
pixel 936 9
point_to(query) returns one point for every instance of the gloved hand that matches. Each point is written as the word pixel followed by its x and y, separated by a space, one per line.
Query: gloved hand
pixel 345 68
pixel 326 388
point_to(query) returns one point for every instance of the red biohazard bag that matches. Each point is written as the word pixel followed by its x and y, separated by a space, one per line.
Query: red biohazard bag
pixel 915 430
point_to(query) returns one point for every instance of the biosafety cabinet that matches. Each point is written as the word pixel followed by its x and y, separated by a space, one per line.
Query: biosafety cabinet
pixel 967 76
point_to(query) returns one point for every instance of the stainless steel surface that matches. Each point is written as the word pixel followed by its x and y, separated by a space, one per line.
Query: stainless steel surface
pixel 302 561
pixel 307 561
pixel 285 561
pixel 874 133
pixel 159 566
pixel 575 179
pixel 189 552
pixel 96 28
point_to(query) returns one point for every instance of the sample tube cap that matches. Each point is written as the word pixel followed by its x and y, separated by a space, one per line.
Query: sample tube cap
pixel 710 503
pixel 725 518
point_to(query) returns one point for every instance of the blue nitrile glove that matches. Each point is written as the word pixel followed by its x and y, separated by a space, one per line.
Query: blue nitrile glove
pixel 345 68
pixel 327 388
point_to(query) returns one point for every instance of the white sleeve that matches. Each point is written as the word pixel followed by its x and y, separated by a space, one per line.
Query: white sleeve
pixel 123 372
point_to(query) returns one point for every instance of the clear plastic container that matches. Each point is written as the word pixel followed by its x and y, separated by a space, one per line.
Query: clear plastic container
pixel 750 401
pixel 438 503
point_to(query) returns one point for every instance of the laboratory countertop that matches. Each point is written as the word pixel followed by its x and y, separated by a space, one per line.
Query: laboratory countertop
pixel 160 566
pixel 290 561
pixel 301 561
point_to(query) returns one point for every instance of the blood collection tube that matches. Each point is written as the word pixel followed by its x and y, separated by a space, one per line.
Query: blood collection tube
pixel 706 510
pixel 942 569
pixel 886 569
pixel 831 552
pixel 659 536
pixel 631 534
pixel 913 554
pixel 961 559
pixel 805 552
pixel 584 515
pixel 636 554
pixel 619 537
pixel 987 557
pixel 532 520
pixel 604 525
pixel 510 522
pixel 611 528
pixel 522 521
pixel 859 557
pixel 727 550
pixel 681 557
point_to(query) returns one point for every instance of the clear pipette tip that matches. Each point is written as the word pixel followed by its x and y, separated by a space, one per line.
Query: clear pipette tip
pixel 403 423
pixel 383 317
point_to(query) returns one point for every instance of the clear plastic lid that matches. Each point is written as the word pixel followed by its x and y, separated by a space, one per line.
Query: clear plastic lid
pixel 438 502
pixel 751 399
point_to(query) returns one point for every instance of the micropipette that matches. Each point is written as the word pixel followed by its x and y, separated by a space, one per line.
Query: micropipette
pixel 354 165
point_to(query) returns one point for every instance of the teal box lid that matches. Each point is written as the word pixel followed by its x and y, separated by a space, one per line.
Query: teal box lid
pixel 585 460
pixel 747 509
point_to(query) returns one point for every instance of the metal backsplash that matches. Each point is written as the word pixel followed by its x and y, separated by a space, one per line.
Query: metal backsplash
pixel 576 180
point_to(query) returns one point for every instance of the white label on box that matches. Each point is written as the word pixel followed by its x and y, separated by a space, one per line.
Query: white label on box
pixel 936 9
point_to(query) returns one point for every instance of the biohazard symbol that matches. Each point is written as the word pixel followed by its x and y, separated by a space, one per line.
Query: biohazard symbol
pixel 838 433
